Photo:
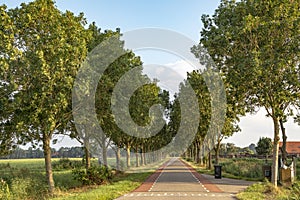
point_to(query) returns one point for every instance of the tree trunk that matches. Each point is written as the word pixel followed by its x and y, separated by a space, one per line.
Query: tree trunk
pixel 137 156
pixel 217 152
pixel 47 156
pixel 184 154
pixel 104 155
pixel 275 152
pixel 201 154
pixel 128 156
pixel 195 152
pixel 198 152
pixel 154 154
pixel 141 159
pixel 284 138
pixel 144 155
pixel 118 159
pixel 209 160
pixel 87 155
pixel 191 152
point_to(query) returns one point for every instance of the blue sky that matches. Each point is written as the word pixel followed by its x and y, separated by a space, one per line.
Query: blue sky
pixel 177 15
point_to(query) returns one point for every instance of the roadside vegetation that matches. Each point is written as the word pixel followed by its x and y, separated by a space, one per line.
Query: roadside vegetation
pixel 24 179
pixel 50 64
pixel 266 191
pixel 250 169
pixel 118 186
pixel 240 168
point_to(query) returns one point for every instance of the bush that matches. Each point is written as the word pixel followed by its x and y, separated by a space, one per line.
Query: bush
pixel 295 191
pixel 95 175
pixel 248 168
pixel 64 181
pixel 66 163
pixel 4 190
pixel 21 183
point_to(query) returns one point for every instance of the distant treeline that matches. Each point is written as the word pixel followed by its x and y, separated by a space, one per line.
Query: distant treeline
pixel 63 152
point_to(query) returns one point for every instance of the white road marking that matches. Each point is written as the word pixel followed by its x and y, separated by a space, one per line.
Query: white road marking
pixel 171 194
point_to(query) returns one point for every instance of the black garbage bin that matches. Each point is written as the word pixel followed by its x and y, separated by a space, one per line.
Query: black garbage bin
pixel 218 171
pixel 267 171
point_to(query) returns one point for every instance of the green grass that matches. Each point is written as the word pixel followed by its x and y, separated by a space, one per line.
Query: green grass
pixel 64 180
pixel 232 169
pixel 251 169
pixel 36 167
pixel 255 191
pixel 34 164
pixel 118 187
pixel 26 179
pixel 265 190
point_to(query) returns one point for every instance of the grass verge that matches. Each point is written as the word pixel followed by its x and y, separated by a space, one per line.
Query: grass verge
pixel 266 191
pixel 119 186
pixel 204 170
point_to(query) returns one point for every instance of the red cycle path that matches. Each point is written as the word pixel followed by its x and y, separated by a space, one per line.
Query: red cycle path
pixel 209 185
pixel 145 187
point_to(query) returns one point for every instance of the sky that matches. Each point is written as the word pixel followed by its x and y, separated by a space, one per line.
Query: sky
pixel 180 16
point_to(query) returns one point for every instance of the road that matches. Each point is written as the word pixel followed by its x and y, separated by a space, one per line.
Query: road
pixel 177 180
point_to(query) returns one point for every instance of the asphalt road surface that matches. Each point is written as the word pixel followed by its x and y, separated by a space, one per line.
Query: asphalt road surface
pixel 177 180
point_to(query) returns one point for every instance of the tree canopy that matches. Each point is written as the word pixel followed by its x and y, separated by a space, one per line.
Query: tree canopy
pixel 264 146
pixel 52 45
pixel 255 44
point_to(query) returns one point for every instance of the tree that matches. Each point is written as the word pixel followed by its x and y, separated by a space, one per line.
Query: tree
pixel 227 131
pixel 8 56
pixel 247 150
pixel 264 146
pixel 252 147
pixel 297 119
pixel 118 63
pixel 83 126
pixel 197 81
pixel 103 97
pixel 212 104
pixel 255 44
pixel 231 148
pixel 284 139
pixel 53 45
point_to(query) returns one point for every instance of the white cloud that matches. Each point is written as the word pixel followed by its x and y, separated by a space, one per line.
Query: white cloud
pixel 253 126
pixel 258 125
pixel 169 75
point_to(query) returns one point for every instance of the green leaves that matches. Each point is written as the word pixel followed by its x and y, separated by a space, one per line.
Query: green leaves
pixel 264 146
pixel 8 57
pixel 40 55
pixel 255 44
pixel 54 46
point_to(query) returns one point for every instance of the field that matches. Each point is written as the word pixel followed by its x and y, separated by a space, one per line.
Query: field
pixel 25 179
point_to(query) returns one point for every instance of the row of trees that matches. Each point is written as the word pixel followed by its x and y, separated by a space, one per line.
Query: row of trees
pixel 254 44
pixel 263 147
pixel 41 52
pixel 63 152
